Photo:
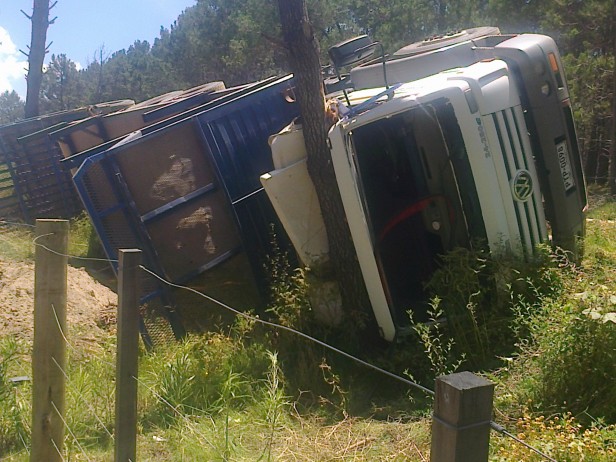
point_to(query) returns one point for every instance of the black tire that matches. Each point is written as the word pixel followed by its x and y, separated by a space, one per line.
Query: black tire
pixel 450 38
pixel 344 53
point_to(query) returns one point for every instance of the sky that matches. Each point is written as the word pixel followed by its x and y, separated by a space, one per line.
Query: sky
pixel 81 30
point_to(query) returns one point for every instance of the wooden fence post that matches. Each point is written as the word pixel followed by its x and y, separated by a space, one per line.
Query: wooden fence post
pixel 129 292
pixel 49 349
pixel 461 419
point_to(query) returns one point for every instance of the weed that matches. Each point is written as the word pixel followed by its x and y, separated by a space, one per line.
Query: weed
pixel 274 403
pixel 574 352
pixel 437 345
pixel 301 360
pixel 16 242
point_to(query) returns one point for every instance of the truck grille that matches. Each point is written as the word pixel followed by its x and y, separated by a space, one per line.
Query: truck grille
pixel 517 155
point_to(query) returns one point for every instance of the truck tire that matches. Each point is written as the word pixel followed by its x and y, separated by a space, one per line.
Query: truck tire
pixel 450 38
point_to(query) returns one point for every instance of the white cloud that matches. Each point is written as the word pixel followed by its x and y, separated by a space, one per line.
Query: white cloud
pixel 12 65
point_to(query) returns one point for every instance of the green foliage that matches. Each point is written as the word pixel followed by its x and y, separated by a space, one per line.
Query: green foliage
pixel 83 241
pixel 590 24
pixel 222 40
pixel 437 345
pixel 289 304
pixel 62 88
pixel 481 295
pixel 14 417
pixel 17 240
pixel 513 16
pixel 11 107
pixel 398 23
pixel 590 77
pixel 136 73
pixel 90 397
pixel 200 376
pixel 561 437
pixel 575 347
pixel 274 402
pixel 226 397
pixel 567 363
pixel 303 361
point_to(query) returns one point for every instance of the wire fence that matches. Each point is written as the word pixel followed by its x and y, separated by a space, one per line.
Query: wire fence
pixel 76 390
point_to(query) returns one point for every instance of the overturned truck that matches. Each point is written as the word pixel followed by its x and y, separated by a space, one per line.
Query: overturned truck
pixel 460 139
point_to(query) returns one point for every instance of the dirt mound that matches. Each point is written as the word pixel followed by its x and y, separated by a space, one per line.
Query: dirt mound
pixel 91 306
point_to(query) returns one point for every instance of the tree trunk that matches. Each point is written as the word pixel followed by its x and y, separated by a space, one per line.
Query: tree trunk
pixel 36 56
pixel 303 54
pixel 612 141
pixel 612 132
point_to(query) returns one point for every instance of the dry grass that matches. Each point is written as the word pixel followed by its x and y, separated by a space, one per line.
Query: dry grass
pixel 354 439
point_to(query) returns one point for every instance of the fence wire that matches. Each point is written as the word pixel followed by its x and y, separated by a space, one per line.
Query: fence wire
pixel 494 426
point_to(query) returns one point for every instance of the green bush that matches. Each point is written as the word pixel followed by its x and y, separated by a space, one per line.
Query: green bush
pixel 482 297
pixel 571 367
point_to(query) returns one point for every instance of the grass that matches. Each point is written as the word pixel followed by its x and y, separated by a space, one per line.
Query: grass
pixel 16 242
pixel 542 331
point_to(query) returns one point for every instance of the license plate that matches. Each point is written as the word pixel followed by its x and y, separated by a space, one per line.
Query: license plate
pixel 565 165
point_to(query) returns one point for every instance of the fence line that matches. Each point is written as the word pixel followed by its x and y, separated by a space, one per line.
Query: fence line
pixel 16 223
pixel 68 380
pixel 294 331
pixel 175 410
pixel 157 395
pixel 493 425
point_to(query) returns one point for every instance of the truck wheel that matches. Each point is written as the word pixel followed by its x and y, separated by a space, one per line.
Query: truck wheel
pixel 450 38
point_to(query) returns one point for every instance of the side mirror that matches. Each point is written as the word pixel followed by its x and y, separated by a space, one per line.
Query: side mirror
pixel 352 51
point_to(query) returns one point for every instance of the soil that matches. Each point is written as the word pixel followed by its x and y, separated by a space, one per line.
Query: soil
pixel 91 306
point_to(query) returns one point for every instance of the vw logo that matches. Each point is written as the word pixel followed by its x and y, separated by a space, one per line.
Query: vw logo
pixel 522 185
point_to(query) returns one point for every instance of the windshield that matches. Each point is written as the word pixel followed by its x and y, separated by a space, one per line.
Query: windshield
pixel 408 168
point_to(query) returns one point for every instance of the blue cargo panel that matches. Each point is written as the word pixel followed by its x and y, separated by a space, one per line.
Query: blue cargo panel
pixel 188 193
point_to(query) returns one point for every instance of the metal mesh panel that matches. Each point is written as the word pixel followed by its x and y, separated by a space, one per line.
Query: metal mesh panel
pixel 99 190
pixel 41 187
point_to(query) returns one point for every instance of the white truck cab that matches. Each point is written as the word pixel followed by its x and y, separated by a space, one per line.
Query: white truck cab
pixel 462 140
pixel 429 166
pixel 535 73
